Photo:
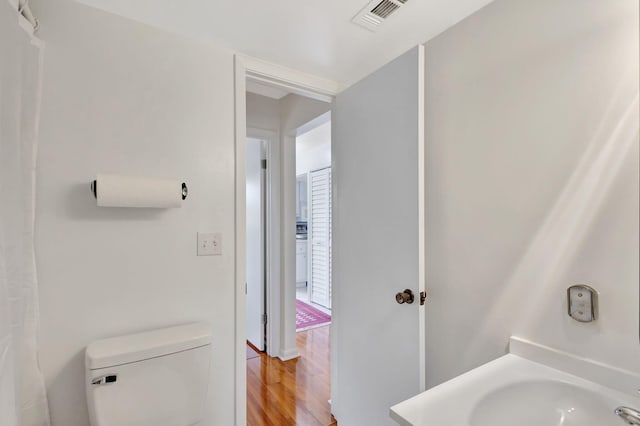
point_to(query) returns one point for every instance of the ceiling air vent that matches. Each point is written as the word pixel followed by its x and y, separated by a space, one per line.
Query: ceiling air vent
pixel 376 12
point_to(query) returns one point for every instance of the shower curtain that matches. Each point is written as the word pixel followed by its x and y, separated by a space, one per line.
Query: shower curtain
pixel 23 399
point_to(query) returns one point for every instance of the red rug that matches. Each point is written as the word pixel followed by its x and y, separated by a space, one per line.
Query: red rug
pixel 309 317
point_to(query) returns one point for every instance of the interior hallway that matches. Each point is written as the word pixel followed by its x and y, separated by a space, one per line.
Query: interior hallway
pixel 302 293
pixel 295 392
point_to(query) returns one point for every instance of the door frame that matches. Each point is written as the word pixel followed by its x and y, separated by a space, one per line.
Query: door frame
pixel 296 82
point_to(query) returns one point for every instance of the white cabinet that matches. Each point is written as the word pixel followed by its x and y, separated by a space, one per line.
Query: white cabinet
pixel 301 262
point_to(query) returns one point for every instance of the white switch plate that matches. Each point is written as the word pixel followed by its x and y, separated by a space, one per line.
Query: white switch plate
pixel 209 244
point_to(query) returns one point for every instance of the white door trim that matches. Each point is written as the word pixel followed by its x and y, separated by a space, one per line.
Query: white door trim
pixel 422 226
pixel 296 82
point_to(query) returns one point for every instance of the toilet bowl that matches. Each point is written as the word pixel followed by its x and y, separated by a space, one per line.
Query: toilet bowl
pixel 156 378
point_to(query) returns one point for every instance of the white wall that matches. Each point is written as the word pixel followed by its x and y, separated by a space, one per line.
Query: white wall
pixel 263 113
pixel 122 97
pixel 313 149
pixel 532 181
pixel 296 111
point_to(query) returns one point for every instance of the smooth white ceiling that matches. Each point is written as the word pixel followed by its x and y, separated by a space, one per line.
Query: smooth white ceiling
pixel 316 37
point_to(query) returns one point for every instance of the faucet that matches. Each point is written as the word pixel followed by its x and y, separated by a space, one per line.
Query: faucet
pixel 629 415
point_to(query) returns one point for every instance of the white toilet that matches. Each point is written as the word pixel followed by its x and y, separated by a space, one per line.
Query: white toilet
pixel 157 378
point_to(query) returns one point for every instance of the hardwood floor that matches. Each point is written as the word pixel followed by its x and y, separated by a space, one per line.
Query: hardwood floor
pixel 295 392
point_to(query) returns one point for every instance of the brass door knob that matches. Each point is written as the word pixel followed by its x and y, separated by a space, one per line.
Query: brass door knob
pixel 405 297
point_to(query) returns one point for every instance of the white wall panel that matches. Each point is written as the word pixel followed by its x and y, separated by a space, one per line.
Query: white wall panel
pixel 532 181
pixel 122 97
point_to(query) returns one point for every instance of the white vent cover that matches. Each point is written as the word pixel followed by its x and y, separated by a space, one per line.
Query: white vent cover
pixel 376 12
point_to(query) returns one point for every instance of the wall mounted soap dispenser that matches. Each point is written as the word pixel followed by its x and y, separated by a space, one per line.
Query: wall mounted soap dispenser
pixel 582 303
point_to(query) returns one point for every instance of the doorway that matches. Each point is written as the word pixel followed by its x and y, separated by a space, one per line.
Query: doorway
pixel 287 116
pixel 313 227
pixel 380 204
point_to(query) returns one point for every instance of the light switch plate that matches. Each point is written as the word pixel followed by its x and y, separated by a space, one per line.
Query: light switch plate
pixel 209 244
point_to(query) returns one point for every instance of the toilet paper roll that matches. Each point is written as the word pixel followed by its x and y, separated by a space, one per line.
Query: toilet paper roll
pixel 133 191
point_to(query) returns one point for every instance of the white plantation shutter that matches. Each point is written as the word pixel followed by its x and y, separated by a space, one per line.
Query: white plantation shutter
pixel 320 234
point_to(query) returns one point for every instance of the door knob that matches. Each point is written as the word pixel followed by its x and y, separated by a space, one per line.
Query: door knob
pixel 405 297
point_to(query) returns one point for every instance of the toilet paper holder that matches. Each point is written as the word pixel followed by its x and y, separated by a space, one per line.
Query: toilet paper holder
pixel 94 189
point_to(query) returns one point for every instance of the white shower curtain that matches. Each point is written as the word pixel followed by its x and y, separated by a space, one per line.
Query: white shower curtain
pixel 23 399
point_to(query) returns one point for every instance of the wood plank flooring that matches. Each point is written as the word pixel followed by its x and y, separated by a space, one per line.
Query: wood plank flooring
pixel 295 392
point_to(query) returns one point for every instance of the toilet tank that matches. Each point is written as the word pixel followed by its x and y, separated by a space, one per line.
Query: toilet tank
pixel 156 378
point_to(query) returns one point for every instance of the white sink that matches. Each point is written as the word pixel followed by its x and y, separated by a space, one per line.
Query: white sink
pixel 531 386
pixel 536 403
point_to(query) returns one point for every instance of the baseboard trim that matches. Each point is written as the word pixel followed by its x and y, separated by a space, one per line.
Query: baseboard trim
pixel 288 354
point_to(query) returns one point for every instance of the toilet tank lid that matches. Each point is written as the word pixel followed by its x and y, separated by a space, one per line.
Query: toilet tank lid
pixel 140 346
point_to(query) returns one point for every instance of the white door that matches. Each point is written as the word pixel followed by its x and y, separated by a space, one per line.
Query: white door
pixel 320 236
pixel 378 242
pixel 255 245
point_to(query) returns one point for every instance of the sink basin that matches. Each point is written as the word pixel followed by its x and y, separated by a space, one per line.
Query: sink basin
pixel 536 403
pixel 533 385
